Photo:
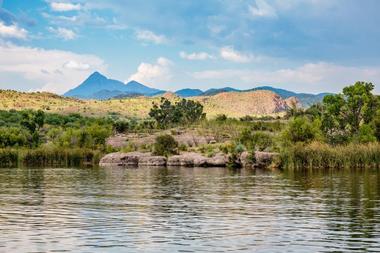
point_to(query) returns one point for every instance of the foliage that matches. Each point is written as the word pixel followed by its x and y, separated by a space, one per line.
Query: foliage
pixel 183 112
pixel 165 145
pixel 343 114
pixel 301 129
pixel 14 137
pixel 323 156
pixel 365 134
pixel 256 141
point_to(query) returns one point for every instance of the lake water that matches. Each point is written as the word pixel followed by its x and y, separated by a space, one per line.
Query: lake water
pixel 188 210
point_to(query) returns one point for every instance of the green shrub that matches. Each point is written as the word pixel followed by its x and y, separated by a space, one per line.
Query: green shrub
pixel 365 134
pixel 300 129
pixel 165 145
pixel 256 141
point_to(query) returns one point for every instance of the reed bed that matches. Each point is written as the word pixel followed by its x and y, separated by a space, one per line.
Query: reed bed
pixel 53 157
pixel 323 156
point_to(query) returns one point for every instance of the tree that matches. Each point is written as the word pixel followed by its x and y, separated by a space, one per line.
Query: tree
pixel 183 112
pixel 360 104
pixel 189 111
pixel 343 114
pixel 165 145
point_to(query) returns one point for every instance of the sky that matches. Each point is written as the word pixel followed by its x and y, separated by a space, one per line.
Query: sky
pixel 302 45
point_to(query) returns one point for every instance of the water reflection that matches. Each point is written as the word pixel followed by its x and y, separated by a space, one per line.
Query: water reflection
pixel 192 209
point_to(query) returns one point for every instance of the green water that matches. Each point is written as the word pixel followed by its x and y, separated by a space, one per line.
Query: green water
pixel 188 210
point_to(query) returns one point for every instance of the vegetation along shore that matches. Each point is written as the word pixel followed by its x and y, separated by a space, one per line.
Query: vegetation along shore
pixel 343 131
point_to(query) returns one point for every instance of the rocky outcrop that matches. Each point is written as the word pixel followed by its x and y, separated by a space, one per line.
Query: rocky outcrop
pixel 246 159
pixel 152 161
pixel 189 159
pixel 264 159
pixel 218 160
pixel 122 159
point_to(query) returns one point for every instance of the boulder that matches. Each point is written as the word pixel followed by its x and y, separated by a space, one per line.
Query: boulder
pixel 122 159
pixel 198 160
pixel 218 160
pixel 246 159
pixel 187 160
pixel 152 161
pixel 264 159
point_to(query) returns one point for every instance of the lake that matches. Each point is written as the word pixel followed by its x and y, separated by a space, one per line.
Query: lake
pixel 188 210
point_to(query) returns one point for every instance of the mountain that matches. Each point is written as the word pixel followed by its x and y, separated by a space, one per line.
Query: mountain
pixel 240 104
pixel 189 93
pixel 212 92
pixel 97 86
pixel 305 99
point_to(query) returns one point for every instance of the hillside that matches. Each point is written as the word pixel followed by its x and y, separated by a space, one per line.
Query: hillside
pixel 233 104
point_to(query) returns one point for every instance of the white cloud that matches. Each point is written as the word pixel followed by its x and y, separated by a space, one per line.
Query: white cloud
pixel 55 70
pixel 63 33
pixel 311 77
pixel 150 36
pixel 153 73
pixel 262 9
pixel 60 6
pixel 12 31
pixel 230 54
pixel 76 65
pixel 195 56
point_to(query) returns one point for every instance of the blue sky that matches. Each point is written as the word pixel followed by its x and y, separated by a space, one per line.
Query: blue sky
pixel 301 45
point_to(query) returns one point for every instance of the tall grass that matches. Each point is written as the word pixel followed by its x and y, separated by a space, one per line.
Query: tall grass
pixel 54 157
pixel 323 156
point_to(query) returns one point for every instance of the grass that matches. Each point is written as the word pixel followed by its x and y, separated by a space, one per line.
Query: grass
pixel 323 156
pixel 233 105
pixel 48 157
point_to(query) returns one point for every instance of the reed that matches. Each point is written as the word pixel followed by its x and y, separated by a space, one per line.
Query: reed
pixel 323 156
pixel 53 157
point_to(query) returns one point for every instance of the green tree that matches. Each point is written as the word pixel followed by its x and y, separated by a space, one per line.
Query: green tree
pixel 300 129
pixel 343 114
pixel 183 112
pixel 165 145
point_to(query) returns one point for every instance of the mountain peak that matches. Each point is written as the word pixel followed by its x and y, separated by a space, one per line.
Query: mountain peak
pixel 99 86
pixel 96 75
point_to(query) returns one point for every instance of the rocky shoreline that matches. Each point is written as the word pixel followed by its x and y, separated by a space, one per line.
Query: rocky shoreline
pixel 188 159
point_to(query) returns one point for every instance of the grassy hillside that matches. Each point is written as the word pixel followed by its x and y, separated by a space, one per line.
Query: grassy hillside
pixel 232 104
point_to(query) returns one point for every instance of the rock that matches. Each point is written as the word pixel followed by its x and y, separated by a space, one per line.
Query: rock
pixel 187 160
pixel 122 159
pixel 246 159
pixel 197 160
pixel 219 160
pixel 152 161
pixel 264 159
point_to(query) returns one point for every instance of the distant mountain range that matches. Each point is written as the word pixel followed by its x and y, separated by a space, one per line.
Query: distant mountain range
pixel 97 86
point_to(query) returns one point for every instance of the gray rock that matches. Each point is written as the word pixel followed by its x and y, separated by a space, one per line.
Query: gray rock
pixel 264 159
pixel 122 159
pixel 246 159
pixel 219 160
pixel 152 161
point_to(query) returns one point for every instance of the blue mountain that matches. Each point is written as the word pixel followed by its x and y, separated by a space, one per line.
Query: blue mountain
pixel 212 92
pixel 185 93
pixel 97 86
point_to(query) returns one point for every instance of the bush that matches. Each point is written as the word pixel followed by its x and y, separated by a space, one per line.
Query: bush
pixel 366 134
pixel 256 141
pixel 121 126
pixel 165 145
pixel 300 129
